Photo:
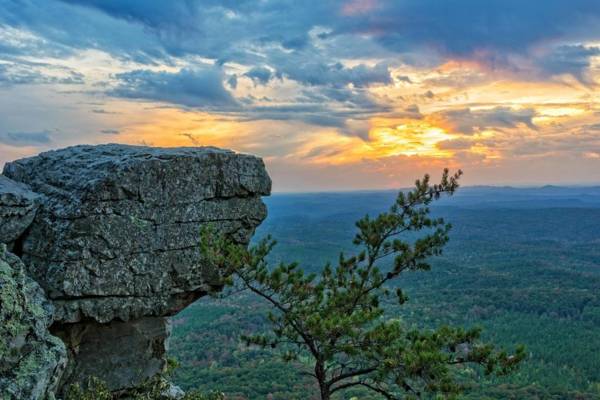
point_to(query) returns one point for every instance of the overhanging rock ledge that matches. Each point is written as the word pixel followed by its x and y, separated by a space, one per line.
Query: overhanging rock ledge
pixel 112 239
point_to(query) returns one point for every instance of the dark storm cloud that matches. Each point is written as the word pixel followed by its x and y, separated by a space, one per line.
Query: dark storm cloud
pixel 457 27
pixel 22 139
pixel 253 33
pixel 465 27
pixel 200 87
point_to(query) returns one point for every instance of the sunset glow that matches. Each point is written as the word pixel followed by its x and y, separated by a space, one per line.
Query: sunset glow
pixel 347 90
pixel 410 139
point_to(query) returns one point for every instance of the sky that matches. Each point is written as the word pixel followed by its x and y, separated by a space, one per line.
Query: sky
pixel 333 95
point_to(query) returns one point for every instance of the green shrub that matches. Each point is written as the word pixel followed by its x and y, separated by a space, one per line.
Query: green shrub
pixel 155 388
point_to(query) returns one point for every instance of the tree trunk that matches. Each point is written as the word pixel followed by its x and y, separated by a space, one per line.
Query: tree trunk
pixel 323 386
pixel 324 392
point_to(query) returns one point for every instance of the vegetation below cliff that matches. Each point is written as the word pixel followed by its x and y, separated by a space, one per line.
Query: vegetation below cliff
pixel 523 264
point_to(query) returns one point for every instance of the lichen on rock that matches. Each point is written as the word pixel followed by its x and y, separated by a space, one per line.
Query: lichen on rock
pixel 31 359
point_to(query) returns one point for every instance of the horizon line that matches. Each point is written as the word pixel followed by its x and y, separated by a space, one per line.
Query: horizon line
pixel 517 186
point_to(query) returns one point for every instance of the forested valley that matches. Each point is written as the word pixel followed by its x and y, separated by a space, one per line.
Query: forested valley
pixel 522 264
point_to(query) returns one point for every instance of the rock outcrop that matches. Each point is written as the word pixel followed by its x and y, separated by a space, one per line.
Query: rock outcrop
pixel 111 232
pixel 31 360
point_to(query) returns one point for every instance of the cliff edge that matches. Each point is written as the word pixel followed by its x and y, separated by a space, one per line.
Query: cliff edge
pixel 110 234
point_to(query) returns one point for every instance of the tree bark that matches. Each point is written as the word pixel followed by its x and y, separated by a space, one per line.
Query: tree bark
pixel 323 386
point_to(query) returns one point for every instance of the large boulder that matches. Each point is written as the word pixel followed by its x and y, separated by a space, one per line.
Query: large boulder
pixel 114 243
pixel 31 360
pixel 117 234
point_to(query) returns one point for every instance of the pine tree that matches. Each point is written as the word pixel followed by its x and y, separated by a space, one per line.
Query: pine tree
pixel 336 317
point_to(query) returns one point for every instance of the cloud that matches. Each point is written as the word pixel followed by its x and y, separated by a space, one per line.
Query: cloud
pixel 340 108
pixel 232 81
pixel 256 33
pixel 22 139
pixel 467 121
pixel 38 28
pixel 260 75
pixel 593 127
pixel 312 114
pixel 202 87
pixel 110 131
pixel 103 111
pixel 572 143
pixel 335 74
pixel 357 99
pixel 157 31
pixel 29 73
pixel 308 41
pixel 569 59
pixel 16 41
pixel 198 87
pixel 473 28
pixel 455 144
pixel 310 69
pixel 462 27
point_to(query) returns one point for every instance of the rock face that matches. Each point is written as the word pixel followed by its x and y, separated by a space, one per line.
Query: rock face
pixel 114 243
pixel 117 234
pixel 18 205
pixel 31 360
pixel 118 352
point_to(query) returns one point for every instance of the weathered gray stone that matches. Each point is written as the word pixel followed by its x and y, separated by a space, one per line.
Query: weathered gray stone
pixel 18 205
pixel 114 243
pixel 117 234
pixel 31 359
pixel 120 353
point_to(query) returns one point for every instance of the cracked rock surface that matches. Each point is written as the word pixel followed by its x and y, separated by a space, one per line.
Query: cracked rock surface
pixel 111 234
pixel 31 360
pixel 118 231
